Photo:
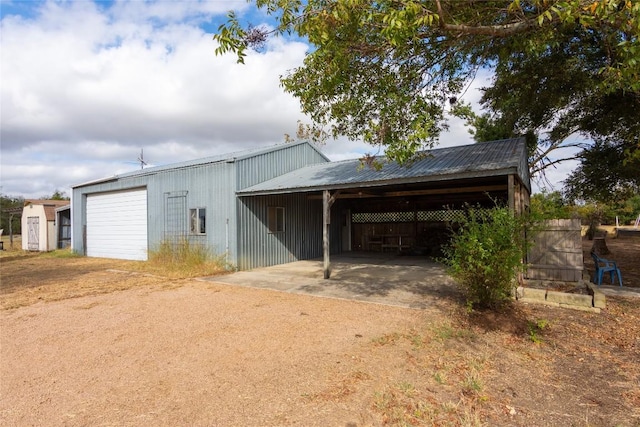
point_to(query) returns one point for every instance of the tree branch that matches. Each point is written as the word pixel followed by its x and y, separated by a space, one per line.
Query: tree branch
pixel 503 30
pixel 542 154
pixel 544 165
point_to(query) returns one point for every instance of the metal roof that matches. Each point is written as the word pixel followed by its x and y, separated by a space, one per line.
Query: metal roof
pixel 508 156
pixel 228 157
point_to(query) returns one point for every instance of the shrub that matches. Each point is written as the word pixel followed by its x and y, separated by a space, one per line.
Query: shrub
pixel 485 255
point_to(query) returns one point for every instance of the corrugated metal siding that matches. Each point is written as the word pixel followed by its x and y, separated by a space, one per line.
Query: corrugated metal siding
pixel 210 186
pixel 256 246
pixel 302 238
pixel 523 170
pixel 337 227
pixel 259 168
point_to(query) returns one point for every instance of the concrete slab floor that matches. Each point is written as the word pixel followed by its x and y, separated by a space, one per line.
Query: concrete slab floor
pixel 406 281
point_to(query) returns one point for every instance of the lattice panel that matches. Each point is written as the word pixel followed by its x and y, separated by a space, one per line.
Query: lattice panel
pixel 444 215
pixel 441 215
pixel 377 217
pixel 175 225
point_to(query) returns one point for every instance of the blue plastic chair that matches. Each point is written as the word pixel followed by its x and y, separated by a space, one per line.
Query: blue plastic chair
pixel 605 266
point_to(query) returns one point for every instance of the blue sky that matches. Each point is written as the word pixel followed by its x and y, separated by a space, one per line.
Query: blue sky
pixel 87 84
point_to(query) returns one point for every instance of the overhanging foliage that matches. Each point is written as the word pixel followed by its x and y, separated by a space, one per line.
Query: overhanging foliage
pixel 384 71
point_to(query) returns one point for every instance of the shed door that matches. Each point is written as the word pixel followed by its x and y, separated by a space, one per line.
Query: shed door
pixel 117 225
pixel 33 233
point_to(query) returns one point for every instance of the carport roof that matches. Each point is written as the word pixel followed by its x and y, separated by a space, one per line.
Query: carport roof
pixel 503 157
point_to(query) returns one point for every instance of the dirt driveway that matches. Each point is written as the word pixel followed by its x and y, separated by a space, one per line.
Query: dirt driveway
pixel 131 349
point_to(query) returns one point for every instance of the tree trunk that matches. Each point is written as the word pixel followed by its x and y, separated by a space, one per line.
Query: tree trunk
pixel 599 246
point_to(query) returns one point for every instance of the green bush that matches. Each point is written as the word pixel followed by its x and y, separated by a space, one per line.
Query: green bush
pixel 485 255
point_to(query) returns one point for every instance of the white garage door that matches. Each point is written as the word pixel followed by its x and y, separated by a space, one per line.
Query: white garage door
pixel 117 225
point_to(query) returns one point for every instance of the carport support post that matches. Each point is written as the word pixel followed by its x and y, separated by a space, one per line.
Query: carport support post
pixel 511 193
pixel 327 201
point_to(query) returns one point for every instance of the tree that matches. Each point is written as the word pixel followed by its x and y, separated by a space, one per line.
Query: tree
pixel 604 175
pixel 10 209
pixel 385 71
pixel 630 209
pixel 57 195
pixel 594 214
pixel 549 205
pixel 554 92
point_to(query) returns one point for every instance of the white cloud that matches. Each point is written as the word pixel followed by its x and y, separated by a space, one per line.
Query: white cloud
pixel 141 91
pixel 173 11
pixel 84 87
pixel 82 84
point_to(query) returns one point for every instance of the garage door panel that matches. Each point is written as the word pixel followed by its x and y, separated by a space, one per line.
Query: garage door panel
pixel 117 225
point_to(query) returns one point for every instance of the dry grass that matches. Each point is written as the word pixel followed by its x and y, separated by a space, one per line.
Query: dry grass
pixel 184 260
pixel 484 369
pixel 31 277
pixel 446 387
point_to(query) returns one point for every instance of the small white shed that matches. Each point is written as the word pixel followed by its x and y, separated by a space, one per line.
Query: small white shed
pixel 39 232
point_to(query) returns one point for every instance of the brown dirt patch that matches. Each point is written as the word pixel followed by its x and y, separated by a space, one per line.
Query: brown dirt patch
pixel 625 252
pixel 128 349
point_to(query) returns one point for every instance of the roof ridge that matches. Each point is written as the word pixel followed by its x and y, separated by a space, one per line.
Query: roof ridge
pixel 430 150
pixel 220 158
pixel 46 202
pixel 224 157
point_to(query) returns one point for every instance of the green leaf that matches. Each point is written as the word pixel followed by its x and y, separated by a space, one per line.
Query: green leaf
pixel 383 72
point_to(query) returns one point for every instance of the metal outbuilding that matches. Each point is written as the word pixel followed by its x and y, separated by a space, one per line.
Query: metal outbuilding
pixel 127 215
pixel 289 202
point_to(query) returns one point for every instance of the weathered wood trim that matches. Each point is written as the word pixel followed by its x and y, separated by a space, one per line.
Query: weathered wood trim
pixel 511 193
pixel 436 191
pixel 327 201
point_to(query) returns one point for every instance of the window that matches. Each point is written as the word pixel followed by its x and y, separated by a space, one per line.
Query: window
pixel 275 219
pixel 197 221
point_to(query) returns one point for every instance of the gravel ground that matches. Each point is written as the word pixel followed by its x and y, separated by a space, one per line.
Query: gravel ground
pixel 197 355
pixel 83 342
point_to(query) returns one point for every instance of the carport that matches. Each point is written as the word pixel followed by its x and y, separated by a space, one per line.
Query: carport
pixel 405 209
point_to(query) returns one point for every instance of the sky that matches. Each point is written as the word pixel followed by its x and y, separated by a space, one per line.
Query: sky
pixel 86 85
